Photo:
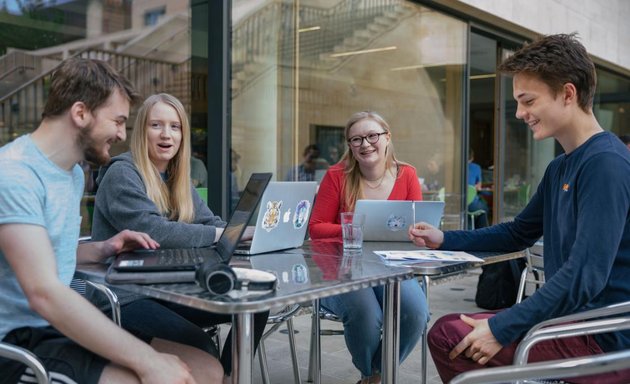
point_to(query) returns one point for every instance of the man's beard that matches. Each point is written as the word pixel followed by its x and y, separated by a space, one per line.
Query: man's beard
pixel 92 150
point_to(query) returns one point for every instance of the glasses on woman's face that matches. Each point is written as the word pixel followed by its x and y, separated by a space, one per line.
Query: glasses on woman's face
pixel 371 138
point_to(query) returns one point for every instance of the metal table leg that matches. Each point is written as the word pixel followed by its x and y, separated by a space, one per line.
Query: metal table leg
pixel 391 333
pixel 315 363
pixel 426 280
pixel 242 348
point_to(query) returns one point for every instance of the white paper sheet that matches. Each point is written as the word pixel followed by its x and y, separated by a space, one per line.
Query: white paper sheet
pixel 428 255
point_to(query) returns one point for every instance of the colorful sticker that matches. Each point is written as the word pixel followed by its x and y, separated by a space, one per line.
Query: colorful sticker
pixel 272 215
pixel 301 213
pixel 396 223
pixel 299 274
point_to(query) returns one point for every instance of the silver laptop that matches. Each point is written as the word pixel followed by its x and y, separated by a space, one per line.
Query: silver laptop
pixel 282 217
pixel 389 220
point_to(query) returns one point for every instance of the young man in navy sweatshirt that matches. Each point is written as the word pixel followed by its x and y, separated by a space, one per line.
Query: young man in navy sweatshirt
pixel 581 208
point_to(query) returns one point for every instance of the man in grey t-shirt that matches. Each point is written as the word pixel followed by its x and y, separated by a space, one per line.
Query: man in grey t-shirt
pixel 40 190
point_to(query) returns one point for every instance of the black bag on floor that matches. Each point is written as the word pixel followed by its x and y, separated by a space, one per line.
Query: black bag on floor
pixel 498 284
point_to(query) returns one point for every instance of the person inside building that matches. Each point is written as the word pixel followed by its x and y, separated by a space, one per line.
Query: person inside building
pixel 581 209
pixel 477 204
pixel 311 163
pixel 368 170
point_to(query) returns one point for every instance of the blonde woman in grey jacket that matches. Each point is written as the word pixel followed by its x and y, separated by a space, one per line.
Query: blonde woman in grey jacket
pixel 149 189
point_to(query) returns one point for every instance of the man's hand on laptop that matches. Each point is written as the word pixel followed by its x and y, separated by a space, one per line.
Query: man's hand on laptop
pixel 126 241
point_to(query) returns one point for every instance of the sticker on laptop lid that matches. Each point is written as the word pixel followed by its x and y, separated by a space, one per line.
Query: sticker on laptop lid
pixel 396 223
pixel 271 219
pixel 300 216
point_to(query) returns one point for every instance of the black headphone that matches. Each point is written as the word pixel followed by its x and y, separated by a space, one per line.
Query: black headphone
pixel 219 279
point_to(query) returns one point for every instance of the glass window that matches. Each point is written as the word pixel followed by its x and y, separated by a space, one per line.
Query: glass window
pixel 523 159
pixel 299 74
pixel 36 38
pixel 612 102
pixel 151 17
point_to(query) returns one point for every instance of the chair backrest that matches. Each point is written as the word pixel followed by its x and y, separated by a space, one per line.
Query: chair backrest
pixel 523 194
pixel 471 192
pixel 203 193
pixel 534 272
pixel 441 196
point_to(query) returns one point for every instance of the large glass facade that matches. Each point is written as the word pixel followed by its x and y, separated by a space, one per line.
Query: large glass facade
pixel 300 69
pixel 524 160
pixel 148 41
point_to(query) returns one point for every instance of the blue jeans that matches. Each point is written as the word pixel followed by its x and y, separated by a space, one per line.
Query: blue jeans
pixel 362 315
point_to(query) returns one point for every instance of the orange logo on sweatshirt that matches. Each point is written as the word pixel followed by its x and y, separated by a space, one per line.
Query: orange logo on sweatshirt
pixel 565 187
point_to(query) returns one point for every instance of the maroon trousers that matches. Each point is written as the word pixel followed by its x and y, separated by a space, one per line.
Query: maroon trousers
pixel 449 330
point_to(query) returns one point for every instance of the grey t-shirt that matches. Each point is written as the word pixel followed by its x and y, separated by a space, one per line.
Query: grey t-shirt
pixel 34 190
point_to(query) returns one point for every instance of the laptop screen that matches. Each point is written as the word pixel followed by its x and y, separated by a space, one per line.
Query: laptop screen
pixel 250 197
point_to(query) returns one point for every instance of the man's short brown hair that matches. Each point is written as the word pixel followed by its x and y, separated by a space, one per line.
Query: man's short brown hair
pixel 86 80
pixel 557 60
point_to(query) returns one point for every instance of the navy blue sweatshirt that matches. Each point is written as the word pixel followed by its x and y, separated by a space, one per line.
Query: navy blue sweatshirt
pixel 581 207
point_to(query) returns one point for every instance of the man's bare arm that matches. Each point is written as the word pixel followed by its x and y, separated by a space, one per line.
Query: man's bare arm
pixel 97 251
pixel 30 255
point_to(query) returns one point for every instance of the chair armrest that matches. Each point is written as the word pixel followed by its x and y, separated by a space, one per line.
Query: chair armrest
pixel 112 297
pixel 284 314
pixel 614 309
pixel 566 368
pixel 584 328
pixel 25 357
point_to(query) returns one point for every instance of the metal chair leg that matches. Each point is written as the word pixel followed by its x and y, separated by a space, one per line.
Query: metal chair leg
pixel 314 366
pixel 296 368
pixel 262 358
pixel 277 319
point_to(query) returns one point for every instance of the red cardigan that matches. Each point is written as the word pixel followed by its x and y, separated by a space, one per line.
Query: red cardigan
pixel 324 222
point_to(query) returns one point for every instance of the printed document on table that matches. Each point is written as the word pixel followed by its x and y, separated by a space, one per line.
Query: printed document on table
pixel 428 255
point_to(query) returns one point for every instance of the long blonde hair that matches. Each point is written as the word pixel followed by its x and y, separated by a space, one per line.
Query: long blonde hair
pixel 174 197
pixel 352 189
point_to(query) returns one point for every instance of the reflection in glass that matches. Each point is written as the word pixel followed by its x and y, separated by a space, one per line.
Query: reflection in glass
pixel 297 75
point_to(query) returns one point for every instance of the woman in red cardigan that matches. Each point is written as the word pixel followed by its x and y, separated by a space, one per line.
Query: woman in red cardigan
pixel 368 170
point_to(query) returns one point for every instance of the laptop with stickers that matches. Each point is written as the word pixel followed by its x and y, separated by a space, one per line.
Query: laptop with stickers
pixel 186 259
pixel 282 217
pixel 389 220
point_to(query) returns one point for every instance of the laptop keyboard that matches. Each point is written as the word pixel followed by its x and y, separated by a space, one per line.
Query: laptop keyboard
pixel 179 257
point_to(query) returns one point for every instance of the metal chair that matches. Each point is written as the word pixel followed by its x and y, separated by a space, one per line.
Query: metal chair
pixel 534 272
pixel 276 319
pixel 471 192
pixel 579 324
pixel 315 362
pixel 26 357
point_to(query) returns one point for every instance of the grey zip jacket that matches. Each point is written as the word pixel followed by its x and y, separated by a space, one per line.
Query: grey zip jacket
pixel 122 203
